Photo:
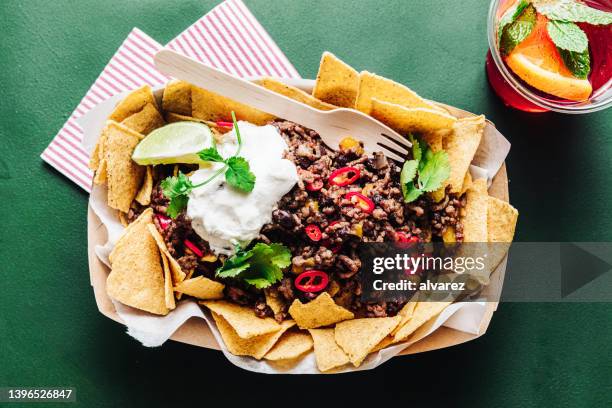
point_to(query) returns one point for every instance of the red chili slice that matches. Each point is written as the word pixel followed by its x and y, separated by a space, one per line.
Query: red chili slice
pixel 194 248
pixel 403 240
pixel 344 176
pixel 225 124
pixel 164 222
pixel 313 232
pixel 360 201
pixel 311 281
pixel 315 185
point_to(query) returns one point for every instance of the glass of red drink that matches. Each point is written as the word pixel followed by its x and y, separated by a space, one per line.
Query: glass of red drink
pixel 551 55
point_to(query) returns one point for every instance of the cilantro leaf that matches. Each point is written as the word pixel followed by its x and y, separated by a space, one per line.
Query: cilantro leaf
pixel 211 154
pixel 573 11
pixel 239 175
pixel 177 190
pixel 425 173
pixel 579 63
pixel 567 36
pixel 435 171
pixel 261 266
pixel 514 33
pixel 409 170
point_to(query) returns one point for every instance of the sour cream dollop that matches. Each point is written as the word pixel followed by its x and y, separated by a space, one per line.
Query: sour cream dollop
pixel 224 216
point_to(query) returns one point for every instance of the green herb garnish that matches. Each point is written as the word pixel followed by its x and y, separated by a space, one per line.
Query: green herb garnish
pixel 425 172
pixel 515 32
pixel 237 171
pixel 510 16
pixel 572 11
pixel 573 45
pixel 261 266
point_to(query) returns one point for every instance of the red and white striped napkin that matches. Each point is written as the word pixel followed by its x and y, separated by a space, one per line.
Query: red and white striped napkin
pixel 228 37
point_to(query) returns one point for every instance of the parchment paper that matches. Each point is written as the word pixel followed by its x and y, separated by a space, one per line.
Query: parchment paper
pixel 153 330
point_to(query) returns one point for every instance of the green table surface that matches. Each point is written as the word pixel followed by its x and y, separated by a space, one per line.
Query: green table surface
pixel 51 333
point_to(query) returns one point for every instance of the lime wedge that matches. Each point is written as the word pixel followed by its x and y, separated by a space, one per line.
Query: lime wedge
pixel 177 142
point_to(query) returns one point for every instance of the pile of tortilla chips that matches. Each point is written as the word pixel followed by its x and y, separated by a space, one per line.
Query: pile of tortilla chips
pixel 144 274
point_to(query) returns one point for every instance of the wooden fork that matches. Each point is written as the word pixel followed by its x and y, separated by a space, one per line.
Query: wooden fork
pixel 333 125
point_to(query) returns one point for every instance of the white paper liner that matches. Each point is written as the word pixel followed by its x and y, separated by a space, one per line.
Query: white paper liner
pixel 153 331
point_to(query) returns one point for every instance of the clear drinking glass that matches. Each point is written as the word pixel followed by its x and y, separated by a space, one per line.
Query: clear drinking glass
pixel 517 93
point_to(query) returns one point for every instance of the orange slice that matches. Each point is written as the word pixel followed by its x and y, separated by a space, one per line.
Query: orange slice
pixel 537 61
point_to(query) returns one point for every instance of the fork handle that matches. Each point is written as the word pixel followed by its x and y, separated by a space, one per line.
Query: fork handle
pixel 179 66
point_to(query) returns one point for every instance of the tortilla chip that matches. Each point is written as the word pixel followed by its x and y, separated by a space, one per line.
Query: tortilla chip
pixel 461 146
pixel 136 278
pixel 384 343
pixel 337 83
pixel 168 292
pixel 133 103
pixel 144 194
pixel 501 220
pixel 273 300
pixel 405 120
pixel 358 337
pixel 207 105
pixel 123 219
pixel 172 117
pixel 124 177
pixel 98 153
pixel 145 121
pixel 243 319
pixel 177 273
pixel 467 182
pixel 201 288
pixel 294 93
pixel 475 219
pixel 406 313
pixel 290 346
pixel 256 347
pixel 319 312
pixel 101 174
pixel 177 97
pixel 383 89
pixel 423 312
pixel 327 353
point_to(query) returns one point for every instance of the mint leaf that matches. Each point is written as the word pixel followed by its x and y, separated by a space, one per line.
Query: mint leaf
pixel 261 266
pixel 511 14
pixel 435 172
pixel 579 63
pixel 567 36
pixel 573 11
pixel 211 154
pixel 514 33
pixel 239 175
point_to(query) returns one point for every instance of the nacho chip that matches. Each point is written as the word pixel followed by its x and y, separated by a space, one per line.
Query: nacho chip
pixel 358 337
pixel 136 278
pixel 177 97
pixel 123 219
pixel 175 269
pixel 144 194
pixel 145 121
pixel 475 219
pixel 406 120
pixel 101 174
pixel 256 347
pixel 467 182
pixel 337 83
pixel 124 177
pixel 172 117
pixel 201 288
pixel 319 312
pixel 294 93
pixel 207 105
pixel 384 343
pixel 406 312
pixel 383 89
pixel 273 300
pixel 423 312
pixel 243 319
pixel 501 220
pixel 461 146
pixel 98 153
pixel 133 103
pixel 327 353
pixel 168 292
pixel 291 345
